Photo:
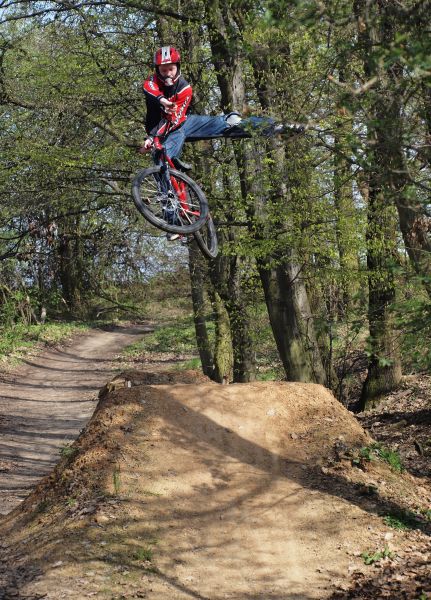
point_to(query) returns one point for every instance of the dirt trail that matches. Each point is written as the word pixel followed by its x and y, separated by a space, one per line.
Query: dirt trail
pixel 47 402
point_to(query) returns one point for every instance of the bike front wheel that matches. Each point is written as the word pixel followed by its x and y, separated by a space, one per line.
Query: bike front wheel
pixel 182 209
pixel 206 239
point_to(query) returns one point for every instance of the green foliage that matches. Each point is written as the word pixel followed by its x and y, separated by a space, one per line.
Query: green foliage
pixel 144 554
pixel 414 320
pixel 71 116
pixel 396 523
pixel 391 457
pixel 68 451
pixel 405 520
pixel 176 337
pixel 193 363
pixel 377 451
pixel 371 558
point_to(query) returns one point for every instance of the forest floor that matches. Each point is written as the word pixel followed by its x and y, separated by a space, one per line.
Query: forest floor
pixel 180 488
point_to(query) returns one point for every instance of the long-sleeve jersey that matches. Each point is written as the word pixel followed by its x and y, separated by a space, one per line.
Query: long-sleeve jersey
pixel 158 122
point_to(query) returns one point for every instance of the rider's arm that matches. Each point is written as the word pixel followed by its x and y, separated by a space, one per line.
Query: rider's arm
pixel 152 88
pixel 182 100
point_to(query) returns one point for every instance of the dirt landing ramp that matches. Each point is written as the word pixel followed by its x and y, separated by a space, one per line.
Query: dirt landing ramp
pixel 197 491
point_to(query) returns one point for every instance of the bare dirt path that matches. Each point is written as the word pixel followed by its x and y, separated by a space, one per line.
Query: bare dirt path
pixel 46 403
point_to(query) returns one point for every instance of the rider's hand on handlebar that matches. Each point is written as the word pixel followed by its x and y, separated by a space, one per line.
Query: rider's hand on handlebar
pixel 147 146
pixel 168 106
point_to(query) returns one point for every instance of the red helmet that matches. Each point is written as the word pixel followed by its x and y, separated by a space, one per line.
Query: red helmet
pixel 166 55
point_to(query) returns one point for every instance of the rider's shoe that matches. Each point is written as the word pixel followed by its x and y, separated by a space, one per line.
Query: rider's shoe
pixel 181 165
pixel 171 237
pixel 288 129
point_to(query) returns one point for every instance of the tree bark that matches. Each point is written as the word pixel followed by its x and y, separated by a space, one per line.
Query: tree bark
pixel 228 272
pixel 71 272
pixel 197 279
pixel 223 352
pixel 292 322
pixel 384 190
pixel 285 292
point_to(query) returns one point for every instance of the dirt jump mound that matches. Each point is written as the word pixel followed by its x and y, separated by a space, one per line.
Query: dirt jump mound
pixel 181 488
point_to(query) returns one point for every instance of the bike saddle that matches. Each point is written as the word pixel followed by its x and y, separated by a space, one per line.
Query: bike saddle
pixel 180 165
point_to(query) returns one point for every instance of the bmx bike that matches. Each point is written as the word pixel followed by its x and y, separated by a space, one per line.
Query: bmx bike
pixel 173 202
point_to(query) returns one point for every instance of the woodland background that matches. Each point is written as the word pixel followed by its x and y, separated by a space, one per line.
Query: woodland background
pixel 325 239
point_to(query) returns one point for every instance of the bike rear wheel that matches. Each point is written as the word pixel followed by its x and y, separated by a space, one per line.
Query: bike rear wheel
pixel 206 238
pixel 166 210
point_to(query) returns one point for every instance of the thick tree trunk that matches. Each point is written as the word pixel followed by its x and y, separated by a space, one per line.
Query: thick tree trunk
pixel 285 292
pixel 71 269
pixel 228 272
pixel 198 272
pixel 384 368
pixel 385 188
pixel 237 304
pixel 223 352
pixel 292 322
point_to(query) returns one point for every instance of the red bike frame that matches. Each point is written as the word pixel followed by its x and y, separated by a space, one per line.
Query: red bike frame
pixel 179 187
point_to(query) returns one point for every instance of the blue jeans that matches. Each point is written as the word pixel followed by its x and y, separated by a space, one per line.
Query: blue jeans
pixel 201 127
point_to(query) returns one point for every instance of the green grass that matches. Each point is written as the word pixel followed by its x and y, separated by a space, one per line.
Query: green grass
pixel 270 374
pixel 143 554
pixel 17 340
pixel 407 519
pixel 193 363
pixel 177 337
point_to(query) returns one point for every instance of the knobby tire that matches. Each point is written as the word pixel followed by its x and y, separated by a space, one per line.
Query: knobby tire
pixel 206 239
pixel 152 209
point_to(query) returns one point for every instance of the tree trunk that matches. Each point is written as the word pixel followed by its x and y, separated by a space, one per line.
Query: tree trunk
pixel 228 272
pixel 384 368
pixel 70 271
pixel 384 187
pixel 285 292
pixel 292 322
pixel 223 352
pixel 197 279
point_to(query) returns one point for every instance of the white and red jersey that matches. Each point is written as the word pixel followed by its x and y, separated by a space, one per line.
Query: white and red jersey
pixel 158 122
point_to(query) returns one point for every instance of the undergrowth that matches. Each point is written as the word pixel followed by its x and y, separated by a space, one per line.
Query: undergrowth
pixel 17 340
pixel 378 451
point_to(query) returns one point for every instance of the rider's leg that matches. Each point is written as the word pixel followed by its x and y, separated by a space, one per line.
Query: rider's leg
pixel 201 127
pixel 175 141
pixel 198 127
